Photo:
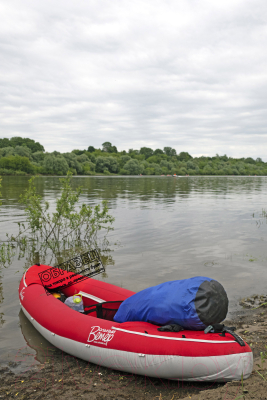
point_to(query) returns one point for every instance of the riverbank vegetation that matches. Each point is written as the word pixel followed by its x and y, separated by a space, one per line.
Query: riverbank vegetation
pixel 22 156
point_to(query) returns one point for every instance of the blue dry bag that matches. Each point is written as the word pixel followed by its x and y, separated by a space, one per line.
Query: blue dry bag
pixel 193 303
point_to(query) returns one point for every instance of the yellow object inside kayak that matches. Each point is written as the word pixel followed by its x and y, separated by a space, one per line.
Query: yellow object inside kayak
pixel 56 295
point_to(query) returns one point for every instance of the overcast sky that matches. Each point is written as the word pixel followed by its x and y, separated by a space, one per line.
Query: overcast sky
pixel 182 73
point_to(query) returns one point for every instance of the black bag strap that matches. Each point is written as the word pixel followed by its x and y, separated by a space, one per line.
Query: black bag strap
pixel 220 328
pixel 171 328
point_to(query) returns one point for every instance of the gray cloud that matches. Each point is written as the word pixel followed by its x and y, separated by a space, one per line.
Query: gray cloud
pixel 188 74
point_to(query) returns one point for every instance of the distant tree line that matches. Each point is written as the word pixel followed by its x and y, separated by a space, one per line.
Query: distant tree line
pixel 21 156
pixel 19 141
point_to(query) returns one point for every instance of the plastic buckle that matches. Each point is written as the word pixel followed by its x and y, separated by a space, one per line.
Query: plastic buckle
pixel 208 329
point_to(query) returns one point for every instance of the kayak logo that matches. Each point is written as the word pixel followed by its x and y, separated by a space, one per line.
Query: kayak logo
pixel 100 335
pixel 72 271
pixel 22 293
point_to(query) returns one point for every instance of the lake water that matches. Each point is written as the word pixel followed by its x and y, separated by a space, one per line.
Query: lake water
pixel 165 229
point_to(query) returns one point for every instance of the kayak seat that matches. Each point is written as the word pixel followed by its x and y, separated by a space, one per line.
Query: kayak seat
pixel 105 310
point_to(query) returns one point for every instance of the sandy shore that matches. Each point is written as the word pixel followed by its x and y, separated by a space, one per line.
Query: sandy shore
pixel 65 377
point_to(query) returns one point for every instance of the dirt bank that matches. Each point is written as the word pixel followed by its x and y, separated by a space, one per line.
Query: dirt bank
pixel 62 376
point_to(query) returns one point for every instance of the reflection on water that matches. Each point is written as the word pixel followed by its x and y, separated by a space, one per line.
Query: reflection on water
pixel 165 228
pixel 43 350
pixel 143 189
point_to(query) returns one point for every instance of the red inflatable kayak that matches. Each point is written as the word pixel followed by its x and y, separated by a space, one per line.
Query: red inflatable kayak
pixel 134 347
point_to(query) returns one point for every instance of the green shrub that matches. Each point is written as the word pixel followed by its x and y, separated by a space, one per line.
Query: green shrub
pixel 124 172
pixel 17 163
pixel 20 173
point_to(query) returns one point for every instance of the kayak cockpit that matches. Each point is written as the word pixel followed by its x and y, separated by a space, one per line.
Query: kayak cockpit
pixel 93 306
